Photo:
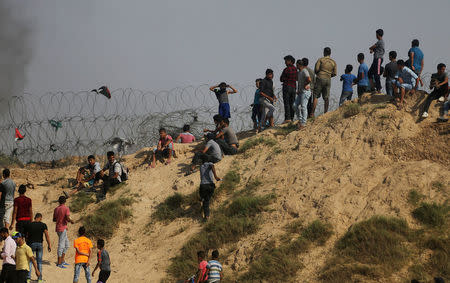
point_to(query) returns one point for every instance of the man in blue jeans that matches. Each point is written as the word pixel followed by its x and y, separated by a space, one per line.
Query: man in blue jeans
pixel 34 236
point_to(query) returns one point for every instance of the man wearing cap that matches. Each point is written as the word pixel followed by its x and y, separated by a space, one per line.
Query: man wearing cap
pixel 24 255
pixel 8 254
pixel 61 216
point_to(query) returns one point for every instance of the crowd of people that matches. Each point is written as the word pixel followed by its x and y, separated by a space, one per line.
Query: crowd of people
pixel 23 234
pixel 302 86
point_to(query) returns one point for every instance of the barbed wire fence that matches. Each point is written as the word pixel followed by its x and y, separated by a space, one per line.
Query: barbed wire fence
pixel 58 125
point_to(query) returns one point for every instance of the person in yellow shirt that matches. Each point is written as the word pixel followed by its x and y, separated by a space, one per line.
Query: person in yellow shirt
pixel 83 248
pixel 23 256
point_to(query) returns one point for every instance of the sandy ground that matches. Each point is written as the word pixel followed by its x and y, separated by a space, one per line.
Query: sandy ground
pixel 340 172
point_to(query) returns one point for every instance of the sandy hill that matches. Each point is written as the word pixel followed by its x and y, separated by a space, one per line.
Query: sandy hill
pixel 346 167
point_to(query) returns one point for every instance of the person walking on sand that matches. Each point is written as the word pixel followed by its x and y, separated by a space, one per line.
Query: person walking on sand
pixel 8 191
pixel 61 215
pixel 22 211
pixel 289 79
pixel 376 69
pixel 325 69
pixel 207 186
pixel 222 91
pixel 34 236
pixel 83 247
pixel 103 262
pixel 214 268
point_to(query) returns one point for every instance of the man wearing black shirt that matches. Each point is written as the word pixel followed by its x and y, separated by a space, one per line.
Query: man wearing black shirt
pixel 34 232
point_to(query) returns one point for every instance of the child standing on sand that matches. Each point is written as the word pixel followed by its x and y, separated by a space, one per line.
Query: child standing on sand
pixel 348 80
pixel 103 262
pixel 363 76
pixel 222 92
pixel 214 268
pixel 207 186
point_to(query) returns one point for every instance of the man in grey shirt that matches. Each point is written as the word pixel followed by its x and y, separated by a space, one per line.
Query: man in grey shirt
pixel 9 188
pixel 212 152
pixel 227 139
pixel 375 69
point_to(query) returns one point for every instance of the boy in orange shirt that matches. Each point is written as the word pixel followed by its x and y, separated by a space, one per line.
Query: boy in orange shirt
pixel 83 248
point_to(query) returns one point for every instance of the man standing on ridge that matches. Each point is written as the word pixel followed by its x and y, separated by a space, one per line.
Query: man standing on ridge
pixel 416 59
pixel 375 69
pixel 325 69
pixel 289 79
pixel 9 188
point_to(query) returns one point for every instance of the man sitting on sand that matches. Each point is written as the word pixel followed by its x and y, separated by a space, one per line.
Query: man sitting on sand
pixel 227 138
pixel 114 176
pixel 406 81
pixel 164 148
pixel 212 151
pixel 439 82
pixel 186 136
pixel 89 174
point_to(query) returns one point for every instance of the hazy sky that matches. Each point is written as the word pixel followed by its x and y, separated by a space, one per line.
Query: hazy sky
pixel 153 45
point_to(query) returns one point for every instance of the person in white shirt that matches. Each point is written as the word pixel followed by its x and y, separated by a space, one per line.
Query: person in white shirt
pixel 405 81
pixel 8 254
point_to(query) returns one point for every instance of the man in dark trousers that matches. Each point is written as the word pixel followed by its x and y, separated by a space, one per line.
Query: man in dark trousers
pixel 289 79
pixel 34 233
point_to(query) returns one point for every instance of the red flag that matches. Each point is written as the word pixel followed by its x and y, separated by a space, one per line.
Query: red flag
pixel 19 136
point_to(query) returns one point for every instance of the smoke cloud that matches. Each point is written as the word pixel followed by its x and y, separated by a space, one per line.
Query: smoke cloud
pixel 15 51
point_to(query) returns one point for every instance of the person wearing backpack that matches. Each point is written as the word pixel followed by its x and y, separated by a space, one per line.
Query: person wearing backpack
pixel 114 176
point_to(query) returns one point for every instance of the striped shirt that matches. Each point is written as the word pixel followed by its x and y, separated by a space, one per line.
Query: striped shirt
pixel 214 268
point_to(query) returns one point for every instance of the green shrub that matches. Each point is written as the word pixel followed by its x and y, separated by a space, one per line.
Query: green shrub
pixel 226 227
pixel 369 248
pixel 103 222
pixel 253 142
pixel 80 201
pixel 284 259
pixel 432 214
pixel 286 130
pixel 414 197
pixel 229 181
pixel 351 109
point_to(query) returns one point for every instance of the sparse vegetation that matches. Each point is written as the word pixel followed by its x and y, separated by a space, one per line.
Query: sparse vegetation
pixel 286 130
pixel 112 190
pixel 253 184
pixel 6 161
pixel 333 120
pixel 274 260
pixel 414 197
pixel 80 201
pixel 432 214
pixel 229 181
pixel 175 206
pixel 438 186
pixel 370 248
pixel 277 150
pixel 351 109
pixel 253 142
pixel 227 226
pixel 105 219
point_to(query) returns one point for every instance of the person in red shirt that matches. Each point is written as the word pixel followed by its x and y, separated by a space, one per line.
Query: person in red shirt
pixel 61 215
pixel 164 149
pixel 22 211
pixel 201 275
pixel 289 80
